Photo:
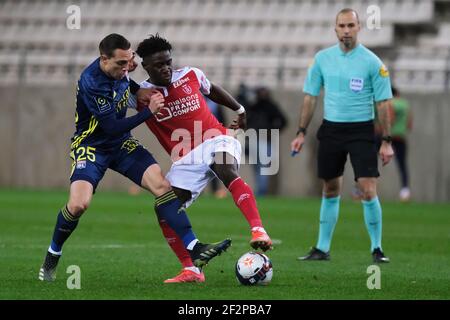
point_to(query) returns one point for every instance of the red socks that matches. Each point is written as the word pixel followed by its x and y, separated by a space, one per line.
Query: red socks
pixel 176 244
pixel 245 200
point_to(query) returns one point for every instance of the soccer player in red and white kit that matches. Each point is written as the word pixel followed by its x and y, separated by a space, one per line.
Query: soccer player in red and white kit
pixel 201 148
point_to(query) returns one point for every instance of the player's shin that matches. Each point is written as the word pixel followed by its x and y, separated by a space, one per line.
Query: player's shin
pixel 329 213
pixel 245 200
pixel 65 225
pixel 175 244
pixel 372 217
pixel 167 208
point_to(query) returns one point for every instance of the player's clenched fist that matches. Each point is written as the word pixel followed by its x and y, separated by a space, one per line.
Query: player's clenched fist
pixel 156 102
pixel 144 99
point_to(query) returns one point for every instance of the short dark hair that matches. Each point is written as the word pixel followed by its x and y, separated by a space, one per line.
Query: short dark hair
pixel 153 45
pixel 112 42
pixel 347 10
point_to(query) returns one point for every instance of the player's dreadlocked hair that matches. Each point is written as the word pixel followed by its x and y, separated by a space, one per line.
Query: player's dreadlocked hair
pixel 153 45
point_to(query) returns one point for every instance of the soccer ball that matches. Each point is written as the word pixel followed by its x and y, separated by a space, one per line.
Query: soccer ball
pixel 254 268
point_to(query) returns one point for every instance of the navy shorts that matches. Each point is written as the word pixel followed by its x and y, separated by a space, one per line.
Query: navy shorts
pixel 337 140
pixel 131 160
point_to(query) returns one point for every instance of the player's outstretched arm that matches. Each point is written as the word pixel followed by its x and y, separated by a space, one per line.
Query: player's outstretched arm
pixel 113 126
pixel 306 114
pixel 222 97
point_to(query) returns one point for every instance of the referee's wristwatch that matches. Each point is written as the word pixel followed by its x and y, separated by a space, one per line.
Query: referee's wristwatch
pixel 301 130
pixel 388 139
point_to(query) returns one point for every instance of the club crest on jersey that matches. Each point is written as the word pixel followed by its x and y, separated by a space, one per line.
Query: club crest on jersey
pixel 81 164
pixel 186 89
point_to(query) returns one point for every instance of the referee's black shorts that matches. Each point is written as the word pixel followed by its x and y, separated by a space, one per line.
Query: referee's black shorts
pixel 337 139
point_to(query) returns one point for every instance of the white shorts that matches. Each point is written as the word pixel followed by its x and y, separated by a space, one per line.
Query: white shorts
pixel 193 171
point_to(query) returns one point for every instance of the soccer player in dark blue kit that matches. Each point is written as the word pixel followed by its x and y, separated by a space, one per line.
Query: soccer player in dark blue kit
pixel 103 140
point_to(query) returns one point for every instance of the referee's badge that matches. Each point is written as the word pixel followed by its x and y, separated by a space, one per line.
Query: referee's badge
pixel 356 84
pixel 384 71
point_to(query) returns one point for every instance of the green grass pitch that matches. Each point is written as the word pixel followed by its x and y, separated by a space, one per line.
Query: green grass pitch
pixel 122 255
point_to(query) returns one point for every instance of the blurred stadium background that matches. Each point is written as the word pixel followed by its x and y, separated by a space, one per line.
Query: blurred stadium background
pixel 256 42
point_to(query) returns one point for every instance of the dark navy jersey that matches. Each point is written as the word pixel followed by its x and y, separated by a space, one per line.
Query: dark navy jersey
pixel 101 104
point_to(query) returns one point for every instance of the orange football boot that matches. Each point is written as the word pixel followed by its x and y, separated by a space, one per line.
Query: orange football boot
pixel 187 276
pixel 260 240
